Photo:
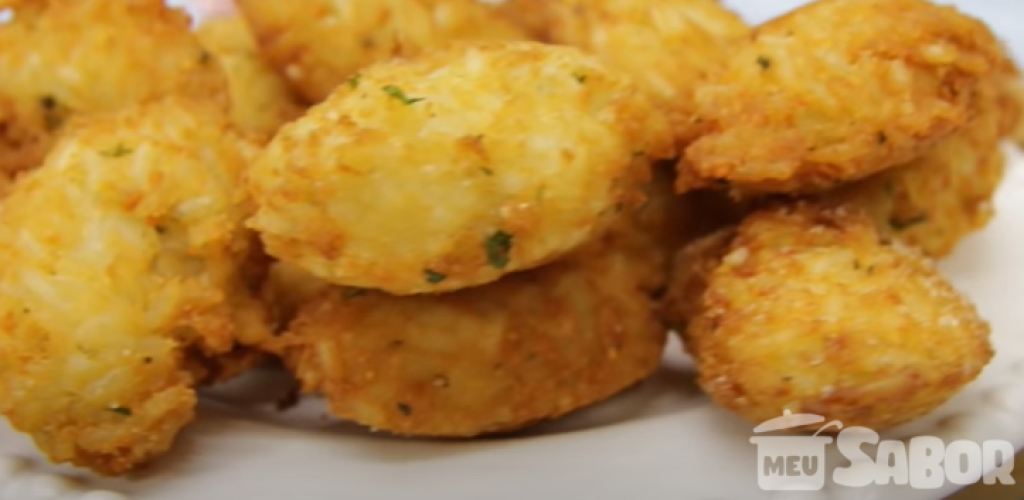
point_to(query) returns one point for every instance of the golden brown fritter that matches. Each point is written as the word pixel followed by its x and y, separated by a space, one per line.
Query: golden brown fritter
pixel 260 98
pixel 63 58
pixel 811 311
pixel 455 168
pixel 669 46
pixel 121 285
pixel 838 90
pixel 532 346
pixel 935 201
pixel 319 44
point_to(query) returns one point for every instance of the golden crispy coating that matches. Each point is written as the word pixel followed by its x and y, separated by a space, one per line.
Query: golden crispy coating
pixel 260 98
pixel 530 347
pixel 70 57
pixel 667 45
pixel 838 90
pixel 692 267
pixel 319 44
pixel 938 199
pixel 650 235
pixel 532 16
pixel 810 311
pixel 120 286
pixel 1012 103
pixel 455 168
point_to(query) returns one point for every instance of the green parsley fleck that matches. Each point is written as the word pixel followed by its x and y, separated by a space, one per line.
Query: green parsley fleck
pixel 120 410
pixel 399 94
pixel 53 113
pixel 764 62
pixel 498 247
pixel 48 102
pixel 580 77
pixel 118 151
pixel 882 138
pixel 353 81
pixel 433 277
pixel 902 224
pixel 205 57
pixel 404 409
pixel 486 171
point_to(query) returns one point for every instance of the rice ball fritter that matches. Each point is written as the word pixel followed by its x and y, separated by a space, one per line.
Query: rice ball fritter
pixel 458 167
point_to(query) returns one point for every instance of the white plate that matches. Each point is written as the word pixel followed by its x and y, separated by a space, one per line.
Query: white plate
pixel 660 440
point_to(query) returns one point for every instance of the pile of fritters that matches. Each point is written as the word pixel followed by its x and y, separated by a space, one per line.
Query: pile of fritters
pixel 450 218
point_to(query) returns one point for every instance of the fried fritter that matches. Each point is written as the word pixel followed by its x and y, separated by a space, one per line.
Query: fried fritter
pixel 121 284
pixel 319 44
pixel 63 58
pixel 667 45
pixel 532 346
pixel 935 201
pixel 811 311
pixel 836 91
pixel 457 167
pixel 260 98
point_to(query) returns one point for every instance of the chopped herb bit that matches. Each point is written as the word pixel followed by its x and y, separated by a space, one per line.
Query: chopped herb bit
pixel 488 172
pixel 901 224
pixel 433 277
pixel 856 264
pixel 48 102
pixel 639 153
pixel 764 62
pixel 353 81
pixel 882 138
pixel 498 247
pixel 870 270
pixel 148 360
pixel 404 409
pixel 204 57
pixel 580 77
pixel 352 292
pixel 397 93
pixel 118 151
pixel 53 114
pixel 120 410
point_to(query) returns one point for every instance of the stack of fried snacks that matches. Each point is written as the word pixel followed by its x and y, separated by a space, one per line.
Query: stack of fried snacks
pixel 449 218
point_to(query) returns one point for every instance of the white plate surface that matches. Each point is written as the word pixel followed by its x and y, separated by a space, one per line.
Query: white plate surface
pixel 662 440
